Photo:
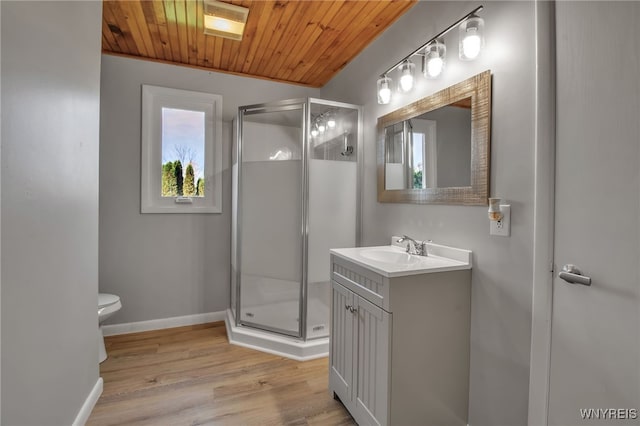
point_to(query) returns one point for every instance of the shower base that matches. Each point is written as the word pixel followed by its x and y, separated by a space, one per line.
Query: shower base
pixel 276 344
pixel 283 315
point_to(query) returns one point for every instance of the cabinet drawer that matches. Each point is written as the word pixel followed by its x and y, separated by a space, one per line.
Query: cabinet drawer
pixel 366 284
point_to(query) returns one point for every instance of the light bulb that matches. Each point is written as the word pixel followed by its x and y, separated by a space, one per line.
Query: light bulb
pixel 385 95
pixel 321 127
pixel 471 38
pixel 471 46
pixel 331 121
pixel 434 67
pixel 314 132
pixel 220 24
pixel 384 90
pixel 406 76
pixel 434 59
pixel 406 82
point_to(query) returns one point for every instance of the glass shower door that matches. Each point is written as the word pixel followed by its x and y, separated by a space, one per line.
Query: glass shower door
pixel 270 244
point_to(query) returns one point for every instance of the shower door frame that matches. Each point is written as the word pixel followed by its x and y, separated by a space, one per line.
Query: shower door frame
pixel 287 105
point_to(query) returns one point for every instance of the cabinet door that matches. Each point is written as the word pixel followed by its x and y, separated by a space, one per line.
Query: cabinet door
pixel 372 384
pixel 342 343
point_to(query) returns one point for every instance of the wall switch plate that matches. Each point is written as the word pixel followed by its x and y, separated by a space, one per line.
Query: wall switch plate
pixel 502 227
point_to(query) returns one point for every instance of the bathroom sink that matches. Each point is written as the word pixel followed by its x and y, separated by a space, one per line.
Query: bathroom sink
pixel 394 261
pixel 390 255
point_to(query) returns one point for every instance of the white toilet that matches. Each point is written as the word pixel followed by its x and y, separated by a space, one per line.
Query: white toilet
pixel 108 304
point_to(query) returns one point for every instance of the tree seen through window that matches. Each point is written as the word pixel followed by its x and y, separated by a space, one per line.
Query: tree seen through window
pixel 183 141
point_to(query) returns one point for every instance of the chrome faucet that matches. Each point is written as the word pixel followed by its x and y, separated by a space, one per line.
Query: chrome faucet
pixel 413 246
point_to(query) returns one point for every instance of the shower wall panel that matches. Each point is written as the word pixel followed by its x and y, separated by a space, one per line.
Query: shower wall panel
pixel 332 203
pixel 332 224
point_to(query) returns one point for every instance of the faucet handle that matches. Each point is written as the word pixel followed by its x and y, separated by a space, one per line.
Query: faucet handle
pixel 423 248
pixel 419 247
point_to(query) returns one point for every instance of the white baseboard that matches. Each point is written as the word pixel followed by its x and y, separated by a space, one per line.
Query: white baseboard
pixel 89 403
pixel 159 324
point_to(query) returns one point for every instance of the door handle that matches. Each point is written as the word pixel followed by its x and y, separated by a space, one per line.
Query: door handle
pixel 571 274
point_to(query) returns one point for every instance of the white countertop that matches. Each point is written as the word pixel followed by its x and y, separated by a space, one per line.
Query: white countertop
pixel 392 261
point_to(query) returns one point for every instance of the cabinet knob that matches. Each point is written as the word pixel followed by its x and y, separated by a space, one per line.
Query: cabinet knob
pixel 350 308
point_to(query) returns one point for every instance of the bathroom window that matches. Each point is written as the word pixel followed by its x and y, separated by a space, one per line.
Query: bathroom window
pixel 181 151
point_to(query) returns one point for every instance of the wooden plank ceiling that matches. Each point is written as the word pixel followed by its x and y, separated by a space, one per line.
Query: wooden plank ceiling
pixel 302 42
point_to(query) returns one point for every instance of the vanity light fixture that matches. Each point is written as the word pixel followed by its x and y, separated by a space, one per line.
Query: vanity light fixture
pixel 224 19
pixel 384 90
pixel 434 59
pixel 331 120
pixel 406 76
pixel 314 131
pixel 433 52
pixel 323 122
pixel 471 38
pixel 321 126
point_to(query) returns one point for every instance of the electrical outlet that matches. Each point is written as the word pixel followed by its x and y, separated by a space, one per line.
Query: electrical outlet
pixel 502 227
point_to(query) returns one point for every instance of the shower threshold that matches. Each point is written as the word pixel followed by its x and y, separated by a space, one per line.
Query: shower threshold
pixel 288 347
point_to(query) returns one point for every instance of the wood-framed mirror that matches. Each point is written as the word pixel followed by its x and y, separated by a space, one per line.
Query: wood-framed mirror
pixel 437 149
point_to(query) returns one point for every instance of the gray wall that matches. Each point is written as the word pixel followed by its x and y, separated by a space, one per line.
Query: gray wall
pixel 50 105
pixel 502 267
pixel 164 265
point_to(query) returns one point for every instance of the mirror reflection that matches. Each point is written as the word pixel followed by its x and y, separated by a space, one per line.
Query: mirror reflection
pixel 431 150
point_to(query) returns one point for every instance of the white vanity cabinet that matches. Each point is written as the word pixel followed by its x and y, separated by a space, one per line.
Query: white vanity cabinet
pixel 399 348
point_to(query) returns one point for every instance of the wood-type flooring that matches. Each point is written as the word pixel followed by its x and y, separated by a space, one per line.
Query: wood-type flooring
pixel 193 376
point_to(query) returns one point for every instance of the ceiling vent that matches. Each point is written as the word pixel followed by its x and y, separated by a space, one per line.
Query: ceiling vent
pixel 224 19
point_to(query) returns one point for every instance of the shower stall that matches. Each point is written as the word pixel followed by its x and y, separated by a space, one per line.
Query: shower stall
pixel 295 194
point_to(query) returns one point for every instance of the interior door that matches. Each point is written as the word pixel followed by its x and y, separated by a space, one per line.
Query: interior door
pixel 595 349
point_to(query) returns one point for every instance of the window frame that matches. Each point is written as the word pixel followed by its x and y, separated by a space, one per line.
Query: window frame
pixel 154 98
